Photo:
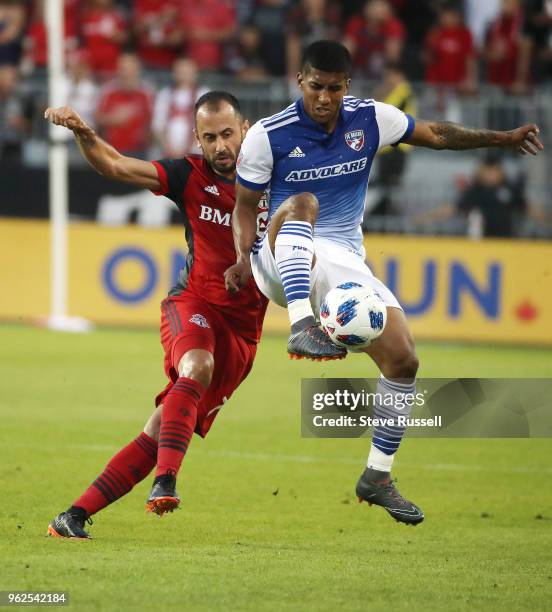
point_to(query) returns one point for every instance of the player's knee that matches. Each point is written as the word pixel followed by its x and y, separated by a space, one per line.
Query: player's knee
pixel 402 364
pixel 153 425
pixel 303 206
pixel 198 365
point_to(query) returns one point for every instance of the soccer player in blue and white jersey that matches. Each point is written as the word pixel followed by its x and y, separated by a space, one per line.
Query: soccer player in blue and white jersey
pixel 315 158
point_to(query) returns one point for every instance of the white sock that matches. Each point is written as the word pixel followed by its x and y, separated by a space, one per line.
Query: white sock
pixel 379 461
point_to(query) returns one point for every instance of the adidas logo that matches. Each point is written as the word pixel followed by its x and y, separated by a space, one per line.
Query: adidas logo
pixel 212 189
pixel 296 153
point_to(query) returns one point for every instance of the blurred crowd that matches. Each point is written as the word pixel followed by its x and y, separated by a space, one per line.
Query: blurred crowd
pixel 452 46
pixel 439 40
pixel 134 69
pixel 252 39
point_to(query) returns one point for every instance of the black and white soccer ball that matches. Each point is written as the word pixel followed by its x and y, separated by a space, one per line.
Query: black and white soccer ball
pixel 353 315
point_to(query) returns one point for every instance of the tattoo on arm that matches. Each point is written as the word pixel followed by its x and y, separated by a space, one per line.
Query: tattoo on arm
pixel 453 136
pixel 100 155
pixel 86 139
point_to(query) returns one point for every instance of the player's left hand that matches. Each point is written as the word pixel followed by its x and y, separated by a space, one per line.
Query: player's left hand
pixel 237 276
pixel 525 139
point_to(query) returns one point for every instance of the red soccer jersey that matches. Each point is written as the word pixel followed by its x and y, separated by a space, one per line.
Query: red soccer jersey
pixel 206 201
pixel 98 28
pixel 132 134
pixel 209 16
pixel 150 47
pixel 449 50
pixel 370 44
pixel 504 34
pixel 37 40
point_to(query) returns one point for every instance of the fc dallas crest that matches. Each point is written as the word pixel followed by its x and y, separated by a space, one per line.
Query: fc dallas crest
pixel 355 139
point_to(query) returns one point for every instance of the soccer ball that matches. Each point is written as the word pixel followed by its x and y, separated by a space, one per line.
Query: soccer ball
pixel 353 315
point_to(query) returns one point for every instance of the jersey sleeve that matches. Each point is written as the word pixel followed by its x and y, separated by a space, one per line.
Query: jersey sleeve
pixel 394 125
pixel 255 162
pixel 173 175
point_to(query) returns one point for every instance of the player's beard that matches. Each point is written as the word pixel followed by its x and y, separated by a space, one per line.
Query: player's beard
pixel 223 167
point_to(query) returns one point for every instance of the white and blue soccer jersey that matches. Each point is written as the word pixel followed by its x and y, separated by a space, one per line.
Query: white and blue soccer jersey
pixel 289 153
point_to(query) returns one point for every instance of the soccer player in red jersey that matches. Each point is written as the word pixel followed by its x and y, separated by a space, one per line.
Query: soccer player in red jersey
pixel 209 335
pixel 451 57
pixel 103 32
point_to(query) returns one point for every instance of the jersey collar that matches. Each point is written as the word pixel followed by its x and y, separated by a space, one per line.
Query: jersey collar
pixel 218 177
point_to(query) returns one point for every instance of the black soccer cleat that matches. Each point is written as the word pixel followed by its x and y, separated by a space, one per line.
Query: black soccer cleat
pixel 386 495
pixel 313 343
pixel 68 525
pixel 163 497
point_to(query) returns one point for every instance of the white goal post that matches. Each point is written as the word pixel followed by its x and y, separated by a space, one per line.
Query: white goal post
pixel 58 179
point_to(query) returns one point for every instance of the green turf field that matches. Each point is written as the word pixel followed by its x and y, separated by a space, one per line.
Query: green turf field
pixel 269 520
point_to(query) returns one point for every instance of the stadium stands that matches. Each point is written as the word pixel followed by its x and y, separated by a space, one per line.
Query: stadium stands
pixel 496 76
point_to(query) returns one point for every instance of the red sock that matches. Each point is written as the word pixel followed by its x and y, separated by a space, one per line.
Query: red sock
pixel 178 421
pixel 126 469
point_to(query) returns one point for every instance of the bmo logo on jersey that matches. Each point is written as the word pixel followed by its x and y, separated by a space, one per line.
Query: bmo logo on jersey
pixel 214 215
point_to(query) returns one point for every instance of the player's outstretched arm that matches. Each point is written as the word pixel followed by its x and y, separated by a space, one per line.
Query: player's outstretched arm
pixel 244 228
pixel 104 158
pixel 446 135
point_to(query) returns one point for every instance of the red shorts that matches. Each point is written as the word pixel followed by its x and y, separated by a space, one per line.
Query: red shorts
pixel 188 322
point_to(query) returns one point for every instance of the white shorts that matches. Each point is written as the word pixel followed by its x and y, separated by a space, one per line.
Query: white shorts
pixel 335 264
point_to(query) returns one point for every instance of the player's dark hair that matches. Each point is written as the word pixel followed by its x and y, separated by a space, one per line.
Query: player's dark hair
pixel 328 56
pixel 213 99
pixel 451 5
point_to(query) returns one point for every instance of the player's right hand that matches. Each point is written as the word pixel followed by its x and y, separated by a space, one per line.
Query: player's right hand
pixel 237 276
pixel 67 117
pixel 525 139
